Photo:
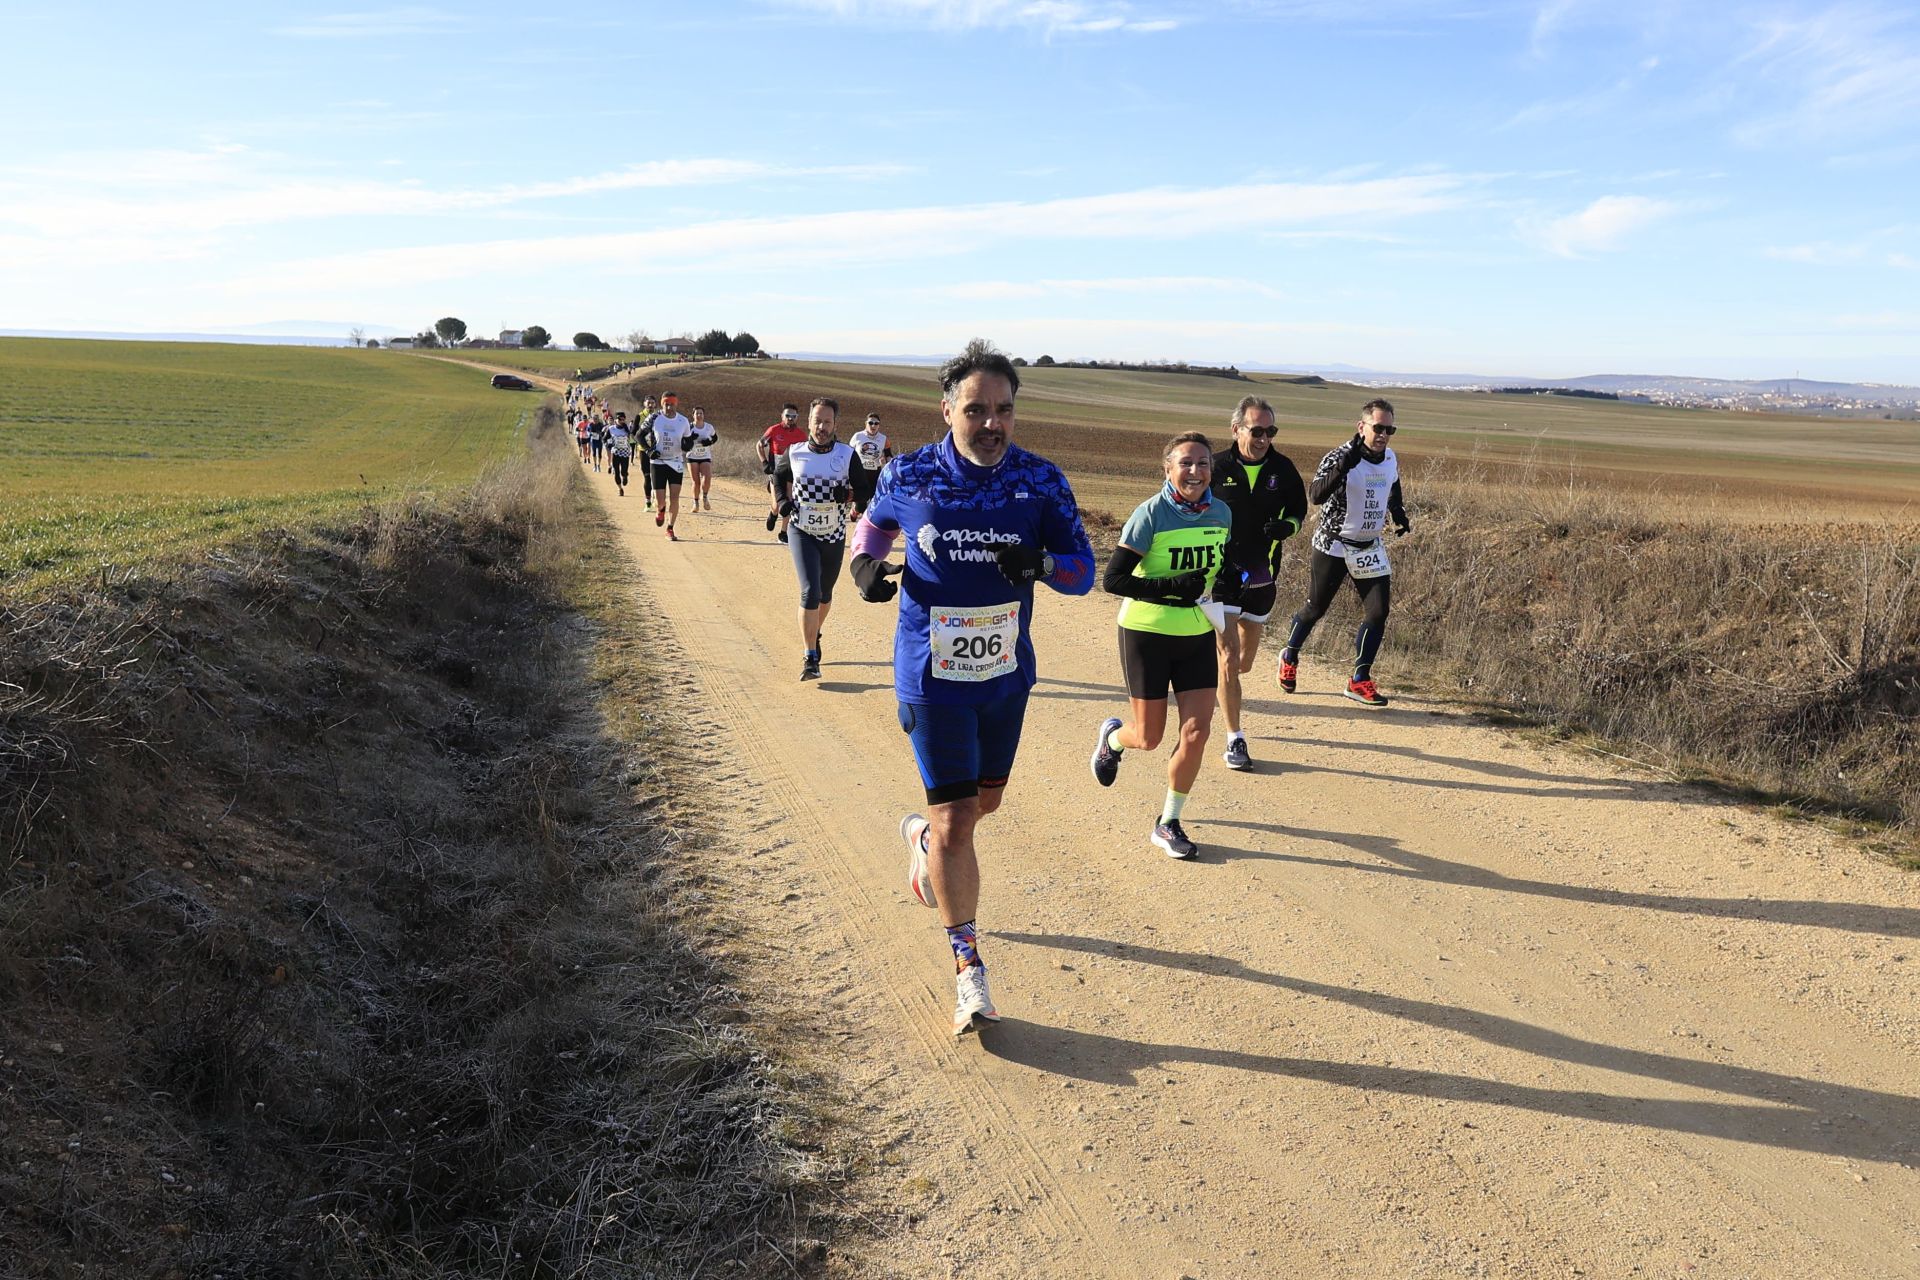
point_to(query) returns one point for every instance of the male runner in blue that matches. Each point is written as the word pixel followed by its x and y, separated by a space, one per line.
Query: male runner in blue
pixel 984 520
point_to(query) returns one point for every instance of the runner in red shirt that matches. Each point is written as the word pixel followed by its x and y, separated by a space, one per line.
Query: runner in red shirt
pixel 773 442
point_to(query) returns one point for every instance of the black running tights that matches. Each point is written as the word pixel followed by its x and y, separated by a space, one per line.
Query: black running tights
pixel 1325 574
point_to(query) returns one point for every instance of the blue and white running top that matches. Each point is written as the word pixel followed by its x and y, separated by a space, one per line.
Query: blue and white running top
pixel 962 635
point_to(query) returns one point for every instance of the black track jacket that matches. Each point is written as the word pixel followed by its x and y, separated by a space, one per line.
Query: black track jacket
pixel 1278 494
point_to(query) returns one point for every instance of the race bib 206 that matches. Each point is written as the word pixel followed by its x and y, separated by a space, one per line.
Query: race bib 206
pixel 972 645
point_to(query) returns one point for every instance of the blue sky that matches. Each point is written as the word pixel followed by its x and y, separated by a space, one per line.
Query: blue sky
pixel 1550 188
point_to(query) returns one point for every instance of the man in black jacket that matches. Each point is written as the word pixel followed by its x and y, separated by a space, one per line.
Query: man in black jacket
pixel 1262 488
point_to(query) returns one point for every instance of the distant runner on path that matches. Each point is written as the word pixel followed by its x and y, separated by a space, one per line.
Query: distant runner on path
pixel 1262 488
pixel 581 427
pixel 872 451
pixel 620 451
pixel 644 452
pixel 984 520
pixel 815 489
pixel 773 442
pixel 666 439
pixel 700 444
pixel 1169 551
pixel 1358 487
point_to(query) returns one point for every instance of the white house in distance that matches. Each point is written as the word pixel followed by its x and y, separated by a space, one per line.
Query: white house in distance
pixel 674 346
pixel 513 337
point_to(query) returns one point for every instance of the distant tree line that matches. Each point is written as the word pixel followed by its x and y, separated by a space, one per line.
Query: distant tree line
pixel 1141 366
pixel 1579 392
pixel 451 331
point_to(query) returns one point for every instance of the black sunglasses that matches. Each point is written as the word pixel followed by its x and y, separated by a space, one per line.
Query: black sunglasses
pixel 1265 433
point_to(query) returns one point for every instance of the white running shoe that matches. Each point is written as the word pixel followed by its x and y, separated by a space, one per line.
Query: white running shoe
pixel 913 830
pixel 974 1009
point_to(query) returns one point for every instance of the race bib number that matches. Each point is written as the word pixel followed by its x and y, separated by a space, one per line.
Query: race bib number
pixel 870 456
pixel 972 645
pixel 1367 562
pixel 815 518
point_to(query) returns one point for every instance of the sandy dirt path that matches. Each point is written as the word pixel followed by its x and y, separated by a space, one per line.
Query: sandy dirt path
pixel 1433 1002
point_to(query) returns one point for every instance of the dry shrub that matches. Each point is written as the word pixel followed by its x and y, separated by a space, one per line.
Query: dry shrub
pixel 334 943
pixel 1781 657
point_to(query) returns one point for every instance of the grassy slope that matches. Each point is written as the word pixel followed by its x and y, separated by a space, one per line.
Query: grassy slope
pixel 116 452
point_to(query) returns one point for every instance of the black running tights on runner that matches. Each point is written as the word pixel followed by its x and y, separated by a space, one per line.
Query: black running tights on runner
pixel 620 466
pixel 1324 575
pixel 816 562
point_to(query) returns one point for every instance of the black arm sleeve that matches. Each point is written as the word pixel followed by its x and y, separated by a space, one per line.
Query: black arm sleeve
pixel 1397 506
pixel 1325 483
pixel 1293 493
pixel 1118 579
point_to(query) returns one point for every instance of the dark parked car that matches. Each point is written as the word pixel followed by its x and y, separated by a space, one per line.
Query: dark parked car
pixel 510 382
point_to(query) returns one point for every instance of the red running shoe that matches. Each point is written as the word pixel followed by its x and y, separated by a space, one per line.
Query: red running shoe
pixel 659 517
pixel 671 535
pixel 1363 692
pixel 1289 673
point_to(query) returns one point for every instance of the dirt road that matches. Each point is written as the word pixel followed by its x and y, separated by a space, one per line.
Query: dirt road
pixel 1432 1002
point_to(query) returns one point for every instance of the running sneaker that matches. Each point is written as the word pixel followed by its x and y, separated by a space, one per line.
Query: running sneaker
pixel 659 518
pixel 1363 692
pixel 773 518
pixel 973 1010
pixel 671 535
pixel 810 667
pixel 913 830
pixel 1106 761
pixel 782 535
pixel 707 504
pixel 1289 674
pixel 1236 756
pixel 1170 837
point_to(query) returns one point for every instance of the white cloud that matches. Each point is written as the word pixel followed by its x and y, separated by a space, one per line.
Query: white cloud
pixel 196 192
pixel 1073 17
pixel 1850 69
pixel 1599 227
pixel 893 234
pixel 1005 290
pixel 407 21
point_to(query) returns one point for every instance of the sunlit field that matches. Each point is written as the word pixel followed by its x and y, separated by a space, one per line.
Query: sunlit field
pixel 120 453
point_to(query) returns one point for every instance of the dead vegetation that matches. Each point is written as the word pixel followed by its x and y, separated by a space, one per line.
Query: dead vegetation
pixel 1782 660
pixel 335 940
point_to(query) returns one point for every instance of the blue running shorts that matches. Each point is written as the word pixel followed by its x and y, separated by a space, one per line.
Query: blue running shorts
pixel 963 749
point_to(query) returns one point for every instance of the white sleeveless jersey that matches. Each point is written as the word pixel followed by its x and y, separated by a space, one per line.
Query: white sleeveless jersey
pixel 700 442
pixel 871 448
pixel 1356 514
pixel 817 481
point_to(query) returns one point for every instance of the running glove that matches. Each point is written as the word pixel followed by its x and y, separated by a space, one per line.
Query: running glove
pixel 1402 530
pixel 1022 565
pixel 786 506
pixel 1279 529
pixel 870 575
pixel 1183 590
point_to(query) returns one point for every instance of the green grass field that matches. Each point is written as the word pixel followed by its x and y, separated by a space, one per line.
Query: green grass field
pixel 117 453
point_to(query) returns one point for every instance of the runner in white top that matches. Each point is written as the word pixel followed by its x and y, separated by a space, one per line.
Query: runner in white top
pixel 665 435
pixel 700 459
pixel 870 449
pixel 1358 487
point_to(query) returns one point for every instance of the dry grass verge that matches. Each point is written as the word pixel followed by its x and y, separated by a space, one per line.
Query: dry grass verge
pixel 335 940
pixel 1782 661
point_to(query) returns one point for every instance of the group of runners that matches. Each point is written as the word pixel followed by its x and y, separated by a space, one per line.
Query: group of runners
pixel 672 450
pixel 982 523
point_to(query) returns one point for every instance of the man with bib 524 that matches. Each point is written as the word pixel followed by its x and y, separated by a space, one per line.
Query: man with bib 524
pixel 1357 488
pixel 984 521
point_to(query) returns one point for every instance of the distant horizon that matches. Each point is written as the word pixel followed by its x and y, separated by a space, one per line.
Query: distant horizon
pixel 930 359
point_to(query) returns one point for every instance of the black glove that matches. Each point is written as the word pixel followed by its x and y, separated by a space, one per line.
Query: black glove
pixel 1277 529
pixel 843 494
pixel 1185 590
pixel 766 465
pixel 1022 565
pixel 870 575
pixel 1402 530
pixel 786 506
pixel 1355 452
